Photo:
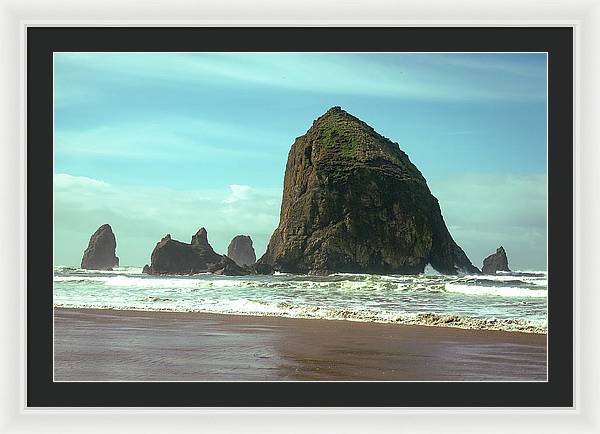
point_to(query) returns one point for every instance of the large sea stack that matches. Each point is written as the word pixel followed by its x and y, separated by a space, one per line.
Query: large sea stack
pixel 496 262
pixel 241 250
pixel 100 252
pixel 353 202
pixel 175 257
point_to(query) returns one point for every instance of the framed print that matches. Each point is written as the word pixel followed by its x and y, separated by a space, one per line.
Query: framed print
pixel 361 282
pixel 330 217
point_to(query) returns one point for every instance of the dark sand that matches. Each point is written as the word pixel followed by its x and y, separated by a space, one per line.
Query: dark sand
pixel 106 345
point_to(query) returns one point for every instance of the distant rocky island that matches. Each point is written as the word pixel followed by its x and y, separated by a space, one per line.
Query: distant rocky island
pixel 353 202
pixel 175 257
pixel 100 252
pixel 496 262
pixel 241 250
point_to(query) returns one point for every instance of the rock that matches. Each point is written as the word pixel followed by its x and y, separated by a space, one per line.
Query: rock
pixel 100 252
pixel 228 267
pixel 496 262
pixel 353 202
pixel 175 257
pixel 241 250
pixel 146 269
pixel 261 268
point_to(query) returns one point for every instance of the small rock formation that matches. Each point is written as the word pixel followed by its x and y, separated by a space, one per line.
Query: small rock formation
pixel 146 269
pixel 100 252
pixel 495 262
pixel 261 268
pixel 227 267
pixel 175 257
pixel 353 202
pixel 241 250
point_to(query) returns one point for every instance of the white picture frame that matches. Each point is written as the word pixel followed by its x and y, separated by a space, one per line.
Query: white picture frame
pixel 583 15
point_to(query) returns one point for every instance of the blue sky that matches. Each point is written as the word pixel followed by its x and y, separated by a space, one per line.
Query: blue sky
pixel 157 143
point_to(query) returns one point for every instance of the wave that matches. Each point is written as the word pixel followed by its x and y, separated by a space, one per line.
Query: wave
pixel 435 300
pixel 76 270
pixel 471 285
pixel 214 282
pixel 132 282
pixel 430 271
pixel 507 278
pixel 505 291
pixel 523 273
pixel 286 310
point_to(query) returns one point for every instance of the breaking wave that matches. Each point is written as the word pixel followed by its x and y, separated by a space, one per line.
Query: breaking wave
pixel 470 285
pixel 515 302
pixel 504 291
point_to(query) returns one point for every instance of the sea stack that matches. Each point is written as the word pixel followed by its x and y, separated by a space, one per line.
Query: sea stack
pixel 175 257
pixel 100 252
pixel 496 262
pixel 353 202
pixel 241 250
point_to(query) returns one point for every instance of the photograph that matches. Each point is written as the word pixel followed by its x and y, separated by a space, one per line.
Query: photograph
pixel 300 216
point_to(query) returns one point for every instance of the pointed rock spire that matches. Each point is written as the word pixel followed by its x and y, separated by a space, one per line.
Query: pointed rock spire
pixel 496 262
pixel 100 252
pixel 241 250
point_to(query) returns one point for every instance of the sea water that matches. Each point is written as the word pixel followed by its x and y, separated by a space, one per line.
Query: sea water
pixel 514 301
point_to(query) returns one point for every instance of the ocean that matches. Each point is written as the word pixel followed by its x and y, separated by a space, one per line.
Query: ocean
pixel 515 301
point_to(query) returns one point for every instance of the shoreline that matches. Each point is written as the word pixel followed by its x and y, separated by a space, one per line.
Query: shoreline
pixel 435 320
pixel 128 345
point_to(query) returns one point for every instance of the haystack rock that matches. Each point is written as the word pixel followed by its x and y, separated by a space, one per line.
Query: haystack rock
pixel 496 262
pixel 100 252
pixel 175 257
pixel 353 202
pixel 241 250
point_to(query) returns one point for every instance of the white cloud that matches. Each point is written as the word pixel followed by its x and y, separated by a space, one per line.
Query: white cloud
pixel 64 180
pixel 238 192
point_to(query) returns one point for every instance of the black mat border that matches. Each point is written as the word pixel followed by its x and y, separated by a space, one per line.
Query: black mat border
pixel 43 41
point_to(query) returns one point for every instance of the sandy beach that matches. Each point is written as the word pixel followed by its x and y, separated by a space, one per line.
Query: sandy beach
pixel 109 345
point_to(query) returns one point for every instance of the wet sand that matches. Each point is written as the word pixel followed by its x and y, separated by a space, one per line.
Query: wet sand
pixel 108 345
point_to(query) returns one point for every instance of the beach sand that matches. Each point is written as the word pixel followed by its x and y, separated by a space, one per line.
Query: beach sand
pixel 106 345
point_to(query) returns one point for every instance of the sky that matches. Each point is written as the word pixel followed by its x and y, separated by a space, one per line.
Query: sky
pixel 157 143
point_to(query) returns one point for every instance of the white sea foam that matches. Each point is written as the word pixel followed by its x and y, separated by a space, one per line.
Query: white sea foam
pixel 132 282
pixel 499 278
pixel 524 272
pixel 505 291
pixel 253 308
pixel 467 286
pixel 119 270
pixel 538 280
pixel 519 302
pixel 430 271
